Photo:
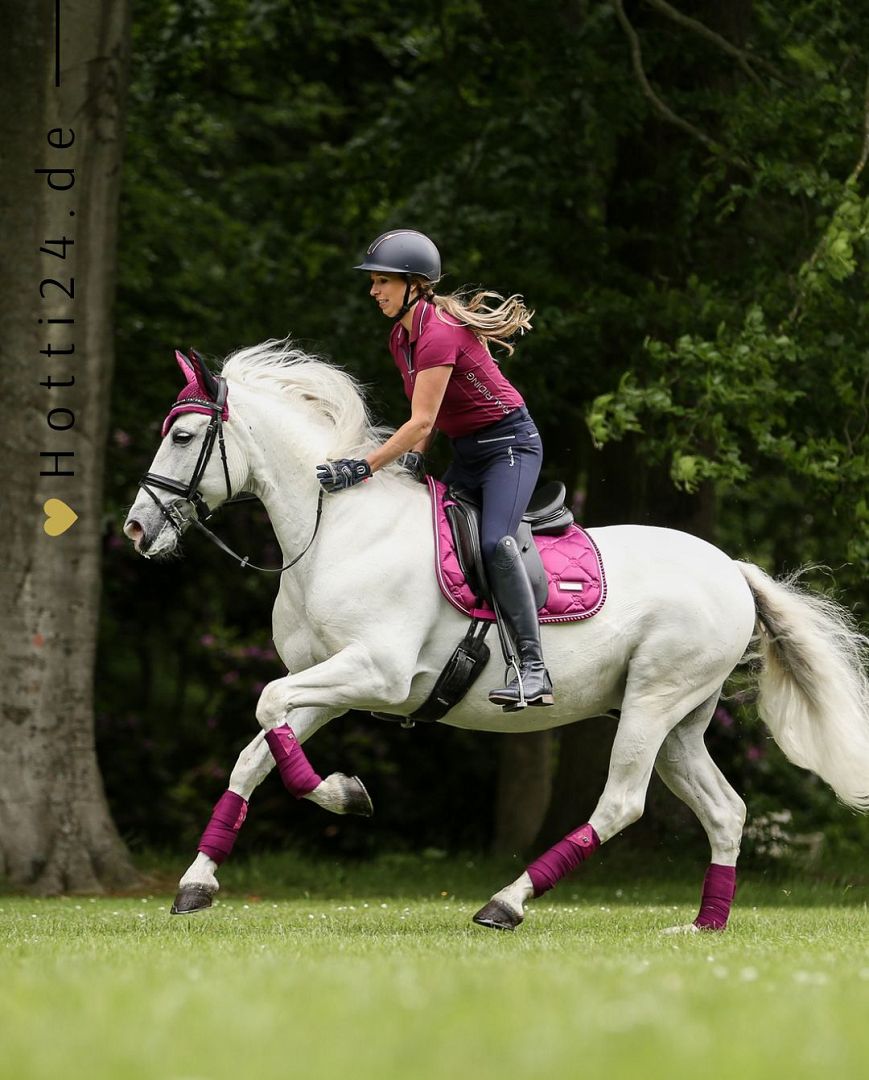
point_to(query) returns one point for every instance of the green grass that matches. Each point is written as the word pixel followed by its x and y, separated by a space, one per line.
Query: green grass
pixel 378 973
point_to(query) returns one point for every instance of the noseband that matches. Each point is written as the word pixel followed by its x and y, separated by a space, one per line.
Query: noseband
pixel 190 492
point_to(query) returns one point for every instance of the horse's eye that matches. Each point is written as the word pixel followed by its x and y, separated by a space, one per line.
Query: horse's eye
pixel 181 438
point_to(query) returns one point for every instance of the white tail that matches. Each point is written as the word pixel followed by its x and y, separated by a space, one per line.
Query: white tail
pixel 814 690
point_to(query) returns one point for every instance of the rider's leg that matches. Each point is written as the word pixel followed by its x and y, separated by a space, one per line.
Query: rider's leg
pixel 511 473
pixel 512 589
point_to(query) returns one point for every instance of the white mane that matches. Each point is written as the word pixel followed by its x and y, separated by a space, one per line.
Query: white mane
pixel 276 367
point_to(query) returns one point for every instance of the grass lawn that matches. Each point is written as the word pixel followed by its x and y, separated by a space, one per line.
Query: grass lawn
pixel 374 971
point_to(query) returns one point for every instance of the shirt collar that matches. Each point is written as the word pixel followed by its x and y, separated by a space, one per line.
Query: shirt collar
pixel 398 333
pixel 420 314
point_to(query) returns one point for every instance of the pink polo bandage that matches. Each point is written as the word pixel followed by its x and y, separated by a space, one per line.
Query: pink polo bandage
pixel 546 871
pixel 227 818
pixel 719 887
pixel 295 769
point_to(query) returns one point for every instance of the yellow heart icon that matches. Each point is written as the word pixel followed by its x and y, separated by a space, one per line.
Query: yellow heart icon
pixel 58 517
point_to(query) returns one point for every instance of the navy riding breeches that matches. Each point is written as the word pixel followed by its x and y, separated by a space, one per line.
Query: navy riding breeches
pixel 499 463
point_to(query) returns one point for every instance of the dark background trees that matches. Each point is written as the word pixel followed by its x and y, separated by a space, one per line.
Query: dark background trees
pixel 680 195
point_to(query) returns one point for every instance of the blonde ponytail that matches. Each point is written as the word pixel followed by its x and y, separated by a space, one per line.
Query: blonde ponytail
pixel 492 318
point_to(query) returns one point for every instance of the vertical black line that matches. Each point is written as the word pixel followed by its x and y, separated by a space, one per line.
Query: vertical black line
pixel 57 42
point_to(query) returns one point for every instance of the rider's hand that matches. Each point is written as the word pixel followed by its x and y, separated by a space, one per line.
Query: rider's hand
pixel 342 474
pixel 414 462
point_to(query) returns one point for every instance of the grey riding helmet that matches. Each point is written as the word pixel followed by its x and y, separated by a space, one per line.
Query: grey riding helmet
pixel 403 251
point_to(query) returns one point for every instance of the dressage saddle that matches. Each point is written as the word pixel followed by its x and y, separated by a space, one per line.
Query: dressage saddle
pixel 547 514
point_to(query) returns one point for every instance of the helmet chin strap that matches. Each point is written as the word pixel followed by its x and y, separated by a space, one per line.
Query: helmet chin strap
pixel 407 303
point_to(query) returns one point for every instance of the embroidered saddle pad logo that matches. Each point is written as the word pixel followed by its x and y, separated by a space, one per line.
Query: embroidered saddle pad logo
pixel 574 570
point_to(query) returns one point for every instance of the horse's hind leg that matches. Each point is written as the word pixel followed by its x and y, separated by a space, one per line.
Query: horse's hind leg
pixel 643 726
pixel 690 773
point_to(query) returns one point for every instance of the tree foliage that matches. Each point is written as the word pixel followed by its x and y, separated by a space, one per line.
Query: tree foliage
pixel 765 385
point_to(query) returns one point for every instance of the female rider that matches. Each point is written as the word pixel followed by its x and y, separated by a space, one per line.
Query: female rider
pixel 440 346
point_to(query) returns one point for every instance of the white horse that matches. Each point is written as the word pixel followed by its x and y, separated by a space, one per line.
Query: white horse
pixel 360 622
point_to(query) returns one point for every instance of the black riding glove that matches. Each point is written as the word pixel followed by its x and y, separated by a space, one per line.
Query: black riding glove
pixel 414 462
pixel 342 474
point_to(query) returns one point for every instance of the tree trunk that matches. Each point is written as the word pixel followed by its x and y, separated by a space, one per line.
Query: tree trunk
pixel 524 786
pixel 61 173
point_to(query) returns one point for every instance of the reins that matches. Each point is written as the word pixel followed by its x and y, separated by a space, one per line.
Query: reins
pixel 245 561
pixel 190 492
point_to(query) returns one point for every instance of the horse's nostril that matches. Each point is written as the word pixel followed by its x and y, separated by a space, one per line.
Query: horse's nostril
pixel 134 530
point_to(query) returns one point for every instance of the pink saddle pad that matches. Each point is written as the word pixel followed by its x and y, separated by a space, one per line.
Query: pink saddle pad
pixel 574 569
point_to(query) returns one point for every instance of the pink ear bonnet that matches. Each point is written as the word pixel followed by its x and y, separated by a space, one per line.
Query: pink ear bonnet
pixel 198 393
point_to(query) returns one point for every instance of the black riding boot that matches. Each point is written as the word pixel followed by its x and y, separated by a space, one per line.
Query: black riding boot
pixel 509 581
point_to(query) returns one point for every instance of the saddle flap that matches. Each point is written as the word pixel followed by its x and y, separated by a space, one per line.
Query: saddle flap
pixel 464 521
pixel 463 515
pixel 571 562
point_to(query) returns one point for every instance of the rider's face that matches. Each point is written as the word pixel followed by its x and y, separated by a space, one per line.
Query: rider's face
pixel 388 291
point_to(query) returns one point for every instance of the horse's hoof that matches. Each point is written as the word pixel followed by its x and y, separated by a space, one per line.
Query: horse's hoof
pixel 192 898
pixel 686 928
pixel 497 916
pixel 355 798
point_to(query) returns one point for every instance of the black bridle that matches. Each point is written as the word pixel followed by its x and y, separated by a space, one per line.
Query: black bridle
pixel 191 494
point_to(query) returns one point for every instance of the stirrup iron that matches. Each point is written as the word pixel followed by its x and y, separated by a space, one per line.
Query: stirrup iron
pixel 521 703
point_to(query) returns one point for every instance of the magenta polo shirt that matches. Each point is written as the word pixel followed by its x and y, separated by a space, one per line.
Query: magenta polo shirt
pixel 477 394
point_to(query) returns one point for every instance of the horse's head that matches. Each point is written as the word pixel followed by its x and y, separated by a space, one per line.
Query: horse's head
pixel 190 473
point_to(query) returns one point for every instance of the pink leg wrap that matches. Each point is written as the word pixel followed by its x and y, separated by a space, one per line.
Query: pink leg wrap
pixel 295 769
pixel 719 886
pixel 546 871
pixel 227 818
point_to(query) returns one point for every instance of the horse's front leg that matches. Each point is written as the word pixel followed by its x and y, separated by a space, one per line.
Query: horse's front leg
pixel 198 884
pixel 358 676
pixel 355 677
pixel 338 793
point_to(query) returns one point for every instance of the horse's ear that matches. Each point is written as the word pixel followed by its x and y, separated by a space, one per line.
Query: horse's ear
pixel 186 367
pixel 207 382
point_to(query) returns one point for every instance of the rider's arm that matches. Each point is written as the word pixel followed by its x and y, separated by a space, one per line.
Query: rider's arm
pixel 428 393
pixel 423 444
